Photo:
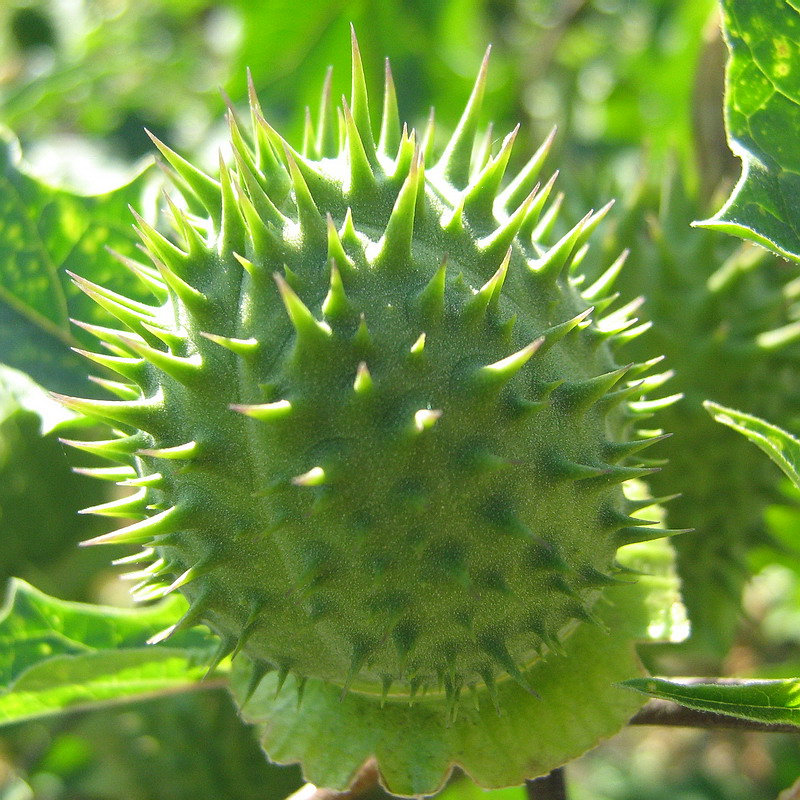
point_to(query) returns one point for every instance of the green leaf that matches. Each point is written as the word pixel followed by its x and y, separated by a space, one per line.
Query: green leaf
pixel 45 231
pixel 57 655
pixel 762 104
pixel 20 392
pixel 779 445
pixel 759 701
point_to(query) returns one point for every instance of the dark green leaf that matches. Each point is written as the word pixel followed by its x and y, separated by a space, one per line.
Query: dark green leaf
pixel 763 119
pixel 45 231
pixel 759 701
pixel 779 445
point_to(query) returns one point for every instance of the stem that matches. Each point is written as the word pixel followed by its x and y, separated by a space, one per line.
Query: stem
pixel 667 713
pixel 548 787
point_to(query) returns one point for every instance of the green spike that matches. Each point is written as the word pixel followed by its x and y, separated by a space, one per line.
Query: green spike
pixel 577 396
pixel 637 534
pixel 259 671
pixel 532 218
pixel 193 299
pixel 283 673
pixel 425 418
pixel 361 651
pixel 185 370
pixel 154 480
pixel 550 266
pixel 647 502
pixel 523 182
pixel 173 340
pixel 147 275
pixel 496 243
pixel 146 554
pixel 179 452
pixel 224 649
pixel 614 474
pixel 134 369
pixel 336 251
pixel 557 332
pixel 430 300
pixel 276 180
pixel 564 469
pixel 395 244
pixel 605 282
pixel 206 189
pixel 141 413
pixel 316 476
pixel 406 152
pixel 778 337
pixel 483 153
pixel 336 304
pixel 453 220
pixel 488 296
pixel 362 177
pixel 326 128
pixel 309 331
pixel 359 101
pixel 263 205
pixel 363 383
pixel 646 408
pixel 419 345
pixel 545 226
pixel 139 532
pixel 617 451
pixel 348 233
pixel 132 506
pixel 389 138
pixel 105 335
pixel 487 676
pixel 311 221
pixel 494 376
pixel 119 449
pixel 107 473
pixel 241 150
pixel 247 348
pixel 138 311
pixel 266 412
pixel 481 193
pixel 267 243
pixel 496 649
pixel 454 165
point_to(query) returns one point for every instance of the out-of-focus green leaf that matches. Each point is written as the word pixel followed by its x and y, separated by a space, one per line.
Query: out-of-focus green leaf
pixel 20 392
pixel 759 701
pixel 779 445
pixel 763 117
pixel 56 655
pixel 45 231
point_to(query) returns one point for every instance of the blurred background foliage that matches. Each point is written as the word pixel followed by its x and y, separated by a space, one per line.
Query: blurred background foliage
pixel 635 88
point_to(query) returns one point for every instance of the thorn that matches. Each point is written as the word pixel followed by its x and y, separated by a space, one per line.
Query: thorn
pixel 259 671
pixel 493 246
pixel 247 348
pixel 488 296
pixel 126 507
pixel 557 258
pixel 314 477
pixel 205 189
pixel 496 649
pixel 266 412
pixel 558 332
pixel 494 376
pixel 520 186
pixel 362 176
pixel 454 164
pixel 395 244
pixel 178 452
pixel 336 251
pixel 363 383
pixel 389 138
pixel 326 129
pixel 426 418
pixel 139 532
pixel 312 224
pixel 419 345
pixel 359 101
pixel 577 396
pixel 308 329
pixel 336 304
pixel 481 193
pixel 605 282
pixel 431 299
pixel 637 534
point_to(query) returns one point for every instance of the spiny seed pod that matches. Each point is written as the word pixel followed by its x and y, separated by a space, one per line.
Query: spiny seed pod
pixel 724 314
pixel 378 437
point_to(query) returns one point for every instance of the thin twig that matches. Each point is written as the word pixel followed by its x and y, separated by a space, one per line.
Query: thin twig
pixel 548 787
pixel 667 713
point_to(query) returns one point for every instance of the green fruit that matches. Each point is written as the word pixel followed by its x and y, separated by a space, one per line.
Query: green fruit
pixel 377 431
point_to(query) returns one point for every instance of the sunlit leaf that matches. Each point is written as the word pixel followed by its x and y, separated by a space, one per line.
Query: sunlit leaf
pixel 759 701
pixel 763 120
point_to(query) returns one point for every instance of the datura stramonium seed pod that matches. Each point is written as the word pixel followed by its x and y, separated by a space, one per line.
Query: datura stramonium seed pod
pixel 380 441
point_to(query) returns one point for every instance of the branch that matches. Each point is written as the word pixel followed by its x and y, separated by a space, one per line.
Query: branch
pixel 667 713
